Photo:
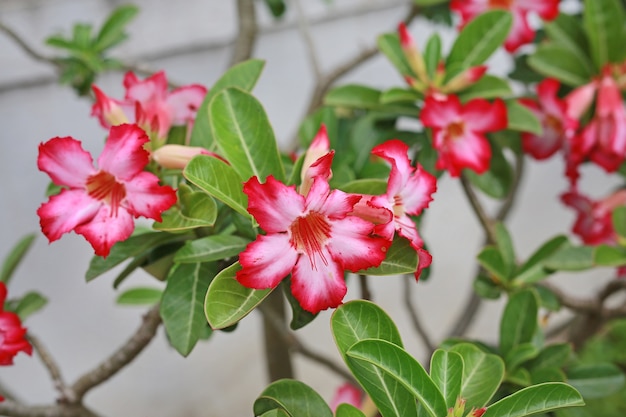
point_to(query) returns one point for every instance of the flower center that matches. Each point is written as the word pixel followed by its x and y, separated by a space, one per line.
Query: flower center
pixel 104 187
pixel 500 4
pixel 455 130
pixel 398 206
pixel 310 233
pixel 554 123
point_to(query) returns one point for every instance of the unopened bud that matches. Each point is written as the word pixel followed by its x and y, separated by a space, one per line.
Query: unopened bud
pixel 412 53
pixel 465 79
pixel 479 412
pixel 177 156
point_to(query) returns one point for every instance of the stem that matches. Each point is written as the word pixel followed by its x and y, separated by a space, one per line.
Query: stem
pixel 13 409
pixel 485 221
pixel 366 294
pixel 248 30
pixel 305 31
pixel 52 368
pixel 417 323
pixel 277 354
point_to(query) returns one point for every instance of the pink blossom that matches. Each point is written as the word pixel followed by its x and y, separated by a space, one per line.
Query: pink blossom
pixel 521 33
pixel 317 161
pixel 12 334
pixel 459 131
pixel 149 103
pixel 178 156
pixel 347 394
pixel 315 236
pixel 100 203
pixel 558 127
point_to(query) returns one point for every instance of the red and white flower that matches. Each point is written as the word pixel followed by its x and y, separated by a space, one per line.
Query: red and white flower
pixel 459 131
pixel 347 394
pixel 100 203
pixel 521 33
pixel 558 127
pixel 149 103
pixel 311 237
pixel 12 334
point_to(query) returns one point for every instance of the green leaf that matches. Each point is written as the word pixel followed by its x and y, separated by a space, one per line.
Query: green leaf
pixel 496 182
pixel 218 179
pixel 140 296
pixel 353 96
pixel 604 255
pixel 399 95
pixel 211 248
pixel 558 61
pixel 359 320
pixel 275 413
pixel 432 54
pixel 348 410
pixel 597 380
pixel 505 247
pixel 365 186
pixel 14 257
pixel 489 87
pixel 522 119
pixel 243 75
pixel 182 305
pixel 29 304
pixel 519 354
pixel 533 270
pixel 482 374
pixel 479 39
pixel 519 376
pixel 485 287
pixel 396 362
pixel 519 321
pixel 603 21
pixel 446 371
pixel 199 210
pixel 400 259
pixel 243 133
pixel 276 7
pixel 137 246
pixel 389 45
pixel 536 399
pixel 491 259
pixel 539 376
pixel 227 301
pixel 112 31
pixel 619 221
pixel 552 356
pixel 300 317
pixel 294 397
pixel 571 258
pixel 567 30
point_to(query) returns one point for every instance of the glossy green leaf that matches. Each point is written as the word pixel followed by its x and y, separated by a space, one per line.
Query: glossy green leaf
pixel 485 287
pixel 533 270
pixel 293 397
pixel 365 186
pixel 428 2
pixel 446 371
pixel 519 354
pixel 396 362
pixel 482 374
pixel 112 31
pixel 604 22
pixel 568 31
pixel 182 304
pixel 432 54
pixel 400 259
pixel 522 119
pixel 489 87
pixel 14 257
pixel 140 296
pixel 227 301
pixel 596 380
pixel 389 45
pixel 243 75
pixel 571 258
pixel 275 413
pixel 558 61
pixel 604 255
pixel 359 320
pixel 519 321
pixel 542 375
pixel 200 210
pixel 519 376
pixel 353 96
pixel 505 247
pixel 490 258
pixel 276 7
pixel 244 135
pixel 29 304
pixel 619 221
pixel 219 180
pixel 479 39
pixel 552 356
pixel 211 248
pixel 348 410
pixel 536 399
pixel 399 95
pixel 547 299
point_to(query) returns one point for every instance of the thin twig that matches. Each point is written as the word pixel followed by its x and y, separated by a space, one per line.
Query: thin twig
pixel 295 344
pixel 52 367
pixel 26 47
pixel 485 220
pixel 248 30
pixel 366 294
pixel 305 32
pixel 417 323
pixel 122 357
pixel 509 201
pixel 14 409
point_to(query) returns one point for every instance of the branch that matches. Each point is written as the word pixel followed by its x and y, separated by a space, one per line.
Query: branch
pixel 26 47
pixel 408 302
pixel 303 27
pixel 14 409
pixel 53 369
pixel 485 221
pixel 509 201
pixel 366 294
pixel 122 357
pixel 248 29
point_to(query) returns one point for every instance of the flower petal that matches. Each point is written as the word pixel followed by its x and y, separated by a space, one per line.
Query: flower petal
pixel 65 161
pixel 352 246
pixel 471 151
pixel 183 103
pixel 65 211
pixel 482 116
pixel 317 282
pixel 418 191
pixel 145 197
pixel 109 111
pixel 266 261
pixel 123 155
pixel 274 205
pixel 153 88
pixel 335 205
pixel 396 153
pixel 105 230
pixel 440 113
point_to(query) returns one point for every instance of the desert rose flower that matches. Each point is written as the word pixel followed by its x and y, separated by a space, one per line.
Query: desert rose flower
pixel 12 334
pixel 558 127
pixel 521 33
pixel 347 394
pixel 100 203
pixel 459 131
pixel 317 161
pixel 178 156
pixel 313 238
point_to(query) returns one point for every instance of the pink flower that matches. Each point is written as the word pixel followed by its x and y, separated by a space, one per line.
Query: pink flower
pixel 521 32
pixel 12 334
pixel 150 105
pixel 317 161
pixel 100 203
pixel 593 221
pixel 459 131
pixel 558 126
pixel 311 237
pixel 347 394
pixel 409 191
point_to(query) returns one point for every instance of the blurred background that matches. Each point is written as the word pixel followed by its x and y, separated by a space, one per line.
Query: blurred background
pixel 192 41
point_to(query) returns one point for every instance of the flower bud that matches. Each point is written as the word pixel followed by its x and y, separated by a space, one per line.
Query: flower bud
pixel 177 156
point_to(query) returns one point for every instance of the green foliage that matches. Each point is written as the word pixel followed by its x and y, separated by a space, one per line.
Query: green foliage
pixel 15 257
pixel 211 248
pixel 194 209
pixel 519 321
pixel 536 399
pixel 29 304
pixel 446 371
pixel 400 259
pixel 140 296
pixel 604 22
pixel 295 398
